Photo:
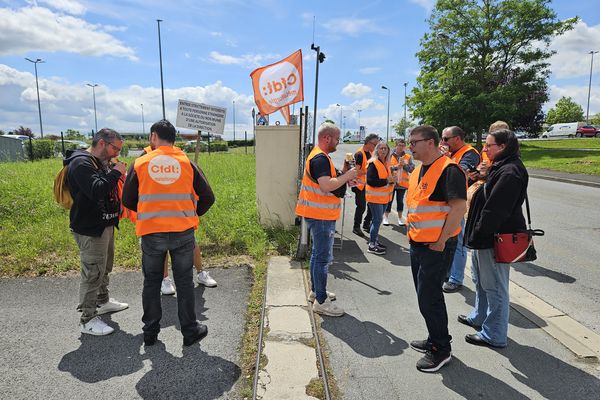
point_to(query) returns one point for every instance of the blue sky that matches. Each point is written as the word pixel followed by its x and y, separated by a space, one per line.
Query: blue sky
pixel 211 46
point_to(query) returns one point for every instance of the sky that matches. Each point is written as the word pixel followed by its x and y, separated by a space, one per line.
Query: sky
pixel 210 47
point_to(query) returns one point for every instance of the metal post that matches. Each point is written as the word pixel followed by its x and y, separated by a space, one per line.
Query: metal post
pixel 62 141
pixel 587 115
pixel 37 87
pixel 234 121
pixel 254 130
pixel 143 122
pixel 93 86
pixel 318 50
pixel 387 136
pixel 246 142
pixel 162 88
pixel 405 122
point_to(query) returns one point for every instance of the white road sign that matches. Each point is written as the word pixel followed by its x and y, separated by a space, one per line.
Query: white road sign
pixel 201 117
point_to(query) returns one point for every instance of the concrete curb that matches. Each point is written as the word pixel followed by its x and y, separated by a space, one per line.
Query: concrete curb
pixel 291 362
pixel 565 180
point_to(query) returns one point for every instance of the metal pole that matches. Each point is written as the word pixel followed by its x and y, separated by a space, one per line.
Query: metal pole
pixel 234 120
pixel 93 86
pixel 405 84
pixel 387 136
pixel 37 87
pixel 318 50
pixel 587 115
pixel 254 130
pixel 162 88
pixel 246 142
pixel 143 122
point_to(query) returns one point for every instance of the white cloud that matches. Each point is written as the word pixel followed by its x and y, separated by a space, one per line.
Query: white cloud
pixel 187 55
pixel 69 105
pixel 572 59
pixel 356 90
pixel 216 34
pixel 426 4
pixel 68 6
pixel 246 60
pixel 40 29
pixel 578 94
pixel 369 70
pixel 352 26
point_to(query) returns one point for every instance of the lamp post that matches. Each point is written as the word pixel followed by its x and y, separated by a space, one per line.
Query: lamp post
pixel 587 115
pixel 320 59
pixel 162 88
pixel 341 114
pixel 234 120
pixel 143 123
pixel 37 87
pixel 387 137
pixel 94 86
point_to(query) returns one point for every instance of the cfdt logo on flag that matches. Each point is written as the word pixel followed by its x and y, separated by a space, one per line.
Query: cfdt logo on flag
pixel 278 85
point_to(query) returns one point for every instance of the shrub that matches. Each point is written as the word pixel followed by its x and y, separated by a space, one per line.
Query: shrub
pixel 41 149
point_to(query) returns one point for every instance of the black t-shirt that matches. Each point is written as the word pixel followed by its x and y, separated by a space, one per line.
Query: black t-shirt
pixel 319 166
pixel 359 158
pixel 451 184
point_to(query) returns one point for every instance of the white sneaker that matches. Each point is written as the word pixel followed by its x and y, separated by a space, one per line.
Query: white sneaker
pixel 386 222
pixel 111 305
pixel 401 221
pixel 96 327
pixel 203 278
pixel 166 287
pixel 312 296
pixel 327 308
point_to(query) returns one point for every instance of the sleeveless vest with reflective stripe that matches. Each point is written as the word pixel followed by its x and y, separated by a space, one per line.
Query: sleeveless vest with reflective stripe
pixel 312 201
pixel 363 167
pixel 426 218
pixel 403 174
pixel 456 157
pixel 379 195
pixel 166 197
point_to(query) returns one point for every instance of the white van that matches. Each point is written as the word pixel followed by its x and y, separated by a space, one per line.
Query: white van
pixel 558 130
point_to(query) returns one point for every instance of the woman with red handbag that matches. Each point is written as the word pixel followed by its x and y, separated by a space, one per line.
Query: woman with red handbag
pixel 496 208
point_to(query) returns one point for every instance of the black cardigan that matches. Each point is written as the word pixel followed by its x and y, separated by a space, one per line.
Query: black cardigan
pixel 497 207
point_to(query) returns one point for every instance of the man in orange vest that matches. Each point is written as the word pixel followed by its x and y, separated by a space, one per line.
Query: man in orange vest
pixel 436 202
pixel 467 159
pixel 401 162
pixel 361 157
pixel 169 193
pixel 320 209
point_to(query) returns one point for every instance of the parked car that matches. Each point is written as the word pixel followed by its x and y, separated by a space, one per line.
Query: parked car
pixel 557 130
pixel 587 131
pixel 521 134
pixel 22 138
pixel 78 143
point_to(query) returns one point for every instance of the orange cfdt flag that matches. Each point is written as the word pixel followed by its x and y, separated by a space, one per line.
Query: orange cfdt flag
pixel 279 84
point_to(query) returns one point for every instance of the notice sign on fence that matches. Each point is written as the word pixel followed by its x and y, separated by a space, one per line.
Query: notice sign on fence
pixel 200 117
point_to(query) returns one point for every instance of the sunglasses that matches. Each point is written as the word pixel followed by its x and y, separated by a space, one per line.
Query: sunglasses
pixel 447 138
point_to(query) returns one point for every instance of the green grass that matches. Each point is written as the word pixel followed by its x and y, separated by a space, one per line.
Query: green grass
pixel 34 230
pixel 561 155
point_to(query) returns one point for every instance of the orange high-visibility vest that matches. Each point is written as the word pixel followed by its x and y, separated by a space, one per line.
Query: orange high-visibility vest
pixel 383 194
pixel 403 182
pixel 426 218
pixel 456 157
pixel 166 197
pixel 363 167
pixel 126 212
pixel 312 201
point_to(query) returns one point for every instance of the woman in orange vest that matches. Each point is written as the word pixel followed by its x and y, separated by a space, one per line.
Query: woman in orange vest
pixel 380 184
pixel 402 162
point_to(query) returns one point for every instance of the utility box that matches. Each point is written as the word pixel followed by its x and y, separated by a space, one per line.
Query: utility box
pixel 277 160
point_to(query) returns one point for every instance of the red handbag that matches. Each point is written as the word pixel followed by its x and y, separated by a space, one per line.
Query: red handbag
pixel 518 246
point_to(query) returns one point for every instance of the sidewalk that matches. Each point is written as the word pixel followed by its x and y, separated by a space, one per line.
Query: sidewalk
pixel 578 179
pixel 43 355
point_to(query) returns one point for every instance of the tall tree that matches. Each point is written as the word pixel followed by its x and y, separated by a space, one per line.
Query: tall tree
pixel 485 60
pixel 21 130
pixel 566 110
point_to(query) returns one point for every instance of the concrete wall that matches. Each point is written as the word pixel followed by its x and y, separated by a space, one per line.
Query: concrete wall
pixel 277 158
pixel 11 149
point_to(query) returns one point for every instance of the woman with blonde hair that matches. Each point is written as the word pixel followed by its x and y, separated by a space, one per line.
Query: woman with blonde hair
pixel 380 184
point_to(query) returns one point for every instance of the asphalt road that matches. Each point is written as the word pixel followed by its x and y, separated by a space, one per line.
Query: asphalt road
pixel 44 356
pixel 567 271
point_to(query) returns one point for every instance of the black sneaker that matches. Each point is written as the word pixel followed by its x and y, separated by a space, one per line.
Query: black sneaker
pixel 358 232
pixel 202 331
pixel 421 346
pixel 381 245
pixel 150 340
pixel 367 228
pixel 376 250
pixel 432 361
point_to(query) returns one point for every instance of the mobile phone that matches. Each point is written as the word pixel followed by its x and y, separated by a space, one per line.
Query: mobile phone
pixel 471 168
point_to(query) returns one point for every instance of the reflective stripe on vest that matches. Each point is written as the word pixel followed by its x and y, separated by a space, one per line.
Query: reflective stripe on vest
pixel 383 194
pixel 166 197
pixel 426 218
pixel 312 201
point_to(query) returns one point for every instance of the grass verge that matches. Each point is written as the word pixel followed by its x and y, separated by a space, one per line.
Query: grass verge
pixel 580 156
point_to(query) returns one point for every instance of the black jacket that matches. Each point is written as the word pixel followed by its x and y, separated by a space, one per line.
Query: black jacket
pixel 497 207
pixel 94 190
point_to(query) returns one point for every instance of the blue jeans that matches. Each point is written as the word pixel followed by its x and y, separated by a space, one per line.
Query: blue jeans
pixel 399 193
pixel 322 234
pixel 154 250
pixel 377 215
pixel 492 301
pixel 429 269
pixel 457 270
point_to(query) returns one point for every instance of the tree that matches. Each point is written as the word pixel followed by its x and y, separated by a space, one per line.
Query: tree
pixel 72 134
pixel 401 126
pixel 21 130
pixel 2 132
pixel 485 60
pixel 595 120
pixel 565 110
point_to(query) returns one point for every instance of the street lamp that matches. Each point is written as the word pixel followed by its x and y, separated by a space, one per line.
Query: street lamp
pixel 320 59
pixel 143 123
pixel 587 115
pixel 234 120
pixel 341 114
pixel 162 88
pixel 387 137
pixel 37 87
pixel 94 86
